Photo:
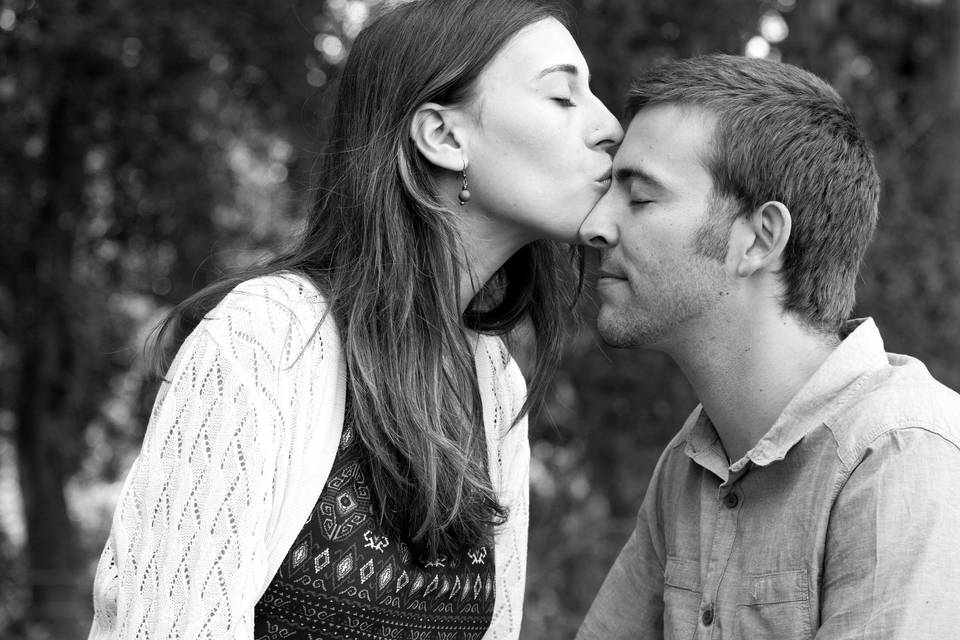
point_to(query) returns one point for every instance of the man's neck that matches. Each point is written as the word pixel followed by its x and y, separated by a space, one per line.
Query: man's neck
pixel 746 378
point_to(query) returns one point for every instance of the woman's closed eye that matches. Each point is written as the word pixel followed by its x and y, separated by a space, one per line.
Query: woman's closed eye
pixel 567 102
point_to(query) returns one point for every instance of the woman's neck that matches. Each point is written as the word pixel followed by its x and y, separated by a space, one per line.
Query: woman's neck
pixel 487 244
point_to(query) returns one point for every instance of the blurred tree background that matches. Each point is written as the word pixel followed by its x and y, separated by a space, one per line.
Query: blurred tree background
pixel 146 148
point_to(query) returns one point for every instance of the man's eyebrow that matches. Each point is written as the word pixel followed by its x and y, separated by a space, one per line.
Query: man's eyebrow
pixel 561 68
pixel 625 174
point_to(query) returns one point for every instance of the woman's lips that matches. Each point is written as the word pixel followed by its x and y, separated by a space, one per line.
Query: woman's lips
pixel 604 180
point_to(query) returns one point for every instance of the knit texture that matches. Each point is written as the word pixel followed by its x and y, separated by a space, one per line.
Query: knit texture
pixel 240 443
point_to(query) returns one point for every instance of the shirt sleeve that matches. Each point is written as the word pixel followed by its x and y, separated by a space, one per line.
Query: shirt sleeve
pixel 891 566
pixel 510 556
pixel 187 552
pixel 630 601
pixel 503 390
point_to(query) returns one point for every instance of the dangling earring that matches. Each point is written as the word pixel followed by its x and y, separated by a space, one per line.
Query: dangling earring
pixel 464 195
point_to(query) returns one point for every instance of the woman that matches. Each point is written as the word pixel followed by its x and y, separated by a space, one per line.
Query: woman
pixel 340 448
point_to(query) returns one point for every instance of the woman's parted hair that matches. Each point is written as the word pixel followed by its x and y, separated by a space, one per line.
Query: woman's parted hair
pixel 385 252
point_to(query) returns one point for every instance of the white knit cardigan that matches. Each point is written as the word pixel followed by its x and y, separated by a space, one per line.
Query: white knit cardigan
pixel 237 451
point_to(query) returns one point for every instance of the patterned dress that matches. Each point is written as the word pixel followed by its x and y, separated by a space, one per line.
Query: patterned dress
pixel 345 579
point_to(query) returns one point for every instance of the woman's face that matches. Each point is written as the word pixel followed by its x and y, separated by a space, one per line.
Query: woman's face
pixel 538 138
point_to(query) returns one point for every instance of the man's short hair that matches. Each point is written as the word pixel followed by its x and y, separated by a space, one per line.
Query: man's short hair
pixel 783 134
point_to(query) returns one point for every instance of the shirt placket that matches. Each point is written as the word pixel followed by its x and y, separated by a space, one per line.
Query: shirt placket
pixel 726 501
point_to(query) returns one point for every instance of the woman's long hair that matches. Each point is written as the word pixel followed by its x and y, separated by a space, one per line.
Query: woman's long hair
pixel 386 254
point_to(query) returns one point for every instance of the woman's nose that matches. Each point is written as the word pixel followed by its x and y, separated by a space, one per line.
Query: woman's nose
pixel 607 130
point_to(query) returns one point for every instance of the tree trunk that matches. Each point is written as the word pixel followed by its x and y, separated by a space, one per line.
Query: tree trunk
pixel 952 76
pixel 44 420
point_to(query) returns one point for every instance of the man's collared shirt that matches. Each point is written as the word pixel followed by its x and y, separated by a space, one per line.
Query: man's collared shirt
pixel 842 522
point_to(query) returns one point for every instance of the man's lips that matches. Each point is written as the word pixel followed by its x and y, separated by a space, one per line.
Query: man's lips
pixel 604 274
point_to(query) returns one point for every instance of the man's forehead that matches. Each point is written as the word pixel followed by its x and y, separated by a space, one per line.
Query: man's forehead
pixel 667 136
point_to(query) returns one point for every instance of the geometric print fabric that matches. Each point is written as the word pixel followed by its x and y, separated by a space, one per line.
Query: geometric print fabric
pixel 345 579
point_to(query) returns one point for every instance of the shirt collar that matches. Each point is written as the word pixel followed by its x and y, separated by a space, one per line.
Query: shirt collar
pixel 703 445
pixel 818 401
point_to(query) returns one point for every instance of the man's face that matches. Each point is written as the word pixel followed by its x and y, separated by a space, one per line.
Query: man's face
pixel 656 284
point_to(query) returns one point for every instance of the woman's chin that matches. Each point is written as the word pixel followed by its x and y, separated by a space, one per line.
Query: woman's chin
pixel 566 236
pixel 565 230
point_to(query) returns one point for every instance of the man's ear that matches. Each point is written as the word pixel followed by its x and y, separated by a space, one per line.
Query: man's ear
pixel 759 240
pixel 436 133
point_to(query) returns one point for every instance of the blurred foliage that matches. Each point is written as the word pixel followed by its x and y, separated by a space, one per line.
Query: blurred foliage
pixel 147 147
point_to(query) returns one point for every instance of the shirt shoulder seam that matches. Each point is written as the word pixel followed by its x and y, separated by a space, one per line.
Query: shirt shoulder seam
pixel 851 456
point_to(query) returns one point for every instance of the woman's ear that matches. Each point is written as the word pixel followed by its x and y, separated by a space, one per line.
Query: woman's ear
pixel 761 238
pixel 436 132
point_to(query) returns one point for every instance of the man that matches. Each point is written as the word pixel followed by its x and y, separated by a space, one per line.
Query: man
pixel 814 491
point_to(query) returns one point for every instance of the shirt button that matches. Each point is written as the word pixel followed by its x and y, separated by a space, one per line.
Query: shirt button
pixel 707 616
pixel 731 500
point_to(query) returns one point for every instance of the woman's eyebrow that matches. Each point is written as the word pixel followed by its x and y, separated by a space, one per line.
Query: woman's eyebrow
pixel 561 68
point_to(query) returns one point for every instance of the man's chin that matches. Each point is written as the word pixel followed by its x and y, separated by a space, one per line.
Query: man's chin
pixel 616 334
pixel 622 334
